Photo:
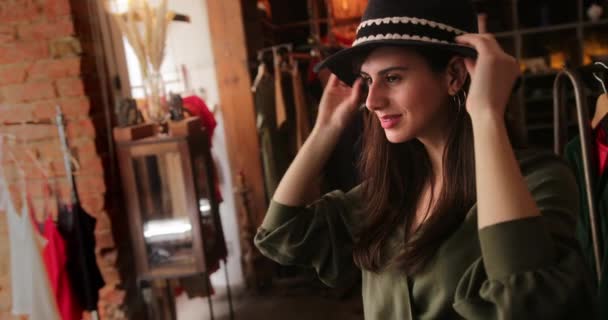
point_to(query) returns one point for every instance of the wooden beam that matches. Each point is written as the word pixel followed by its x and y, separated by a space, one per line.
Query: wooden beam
pixel 236 100
pixel 238 111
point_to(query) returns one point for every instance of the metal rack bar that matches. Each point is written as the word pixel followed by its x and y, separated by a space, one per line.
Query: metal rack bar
pixel 585 134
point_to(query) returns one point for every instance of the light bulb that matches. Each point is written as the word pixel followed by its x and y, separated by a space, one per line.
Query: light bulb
pixel 118 6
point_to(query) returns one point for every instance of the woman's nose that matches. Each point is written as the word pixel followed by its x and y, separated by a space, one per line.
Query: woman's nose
pixel 376 97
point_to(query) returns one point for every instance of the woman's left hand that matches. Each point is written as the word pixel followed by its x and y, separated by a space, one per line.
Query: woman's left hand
pixel 493 74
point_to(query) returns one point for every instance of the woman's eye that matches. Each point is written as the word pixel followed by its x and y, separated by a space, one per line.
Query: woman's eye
pixel 366 80
pixel 392 78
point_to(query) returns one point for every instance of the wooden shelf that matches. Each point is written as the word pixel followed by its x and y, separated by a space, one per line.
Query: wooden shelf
pixel 553 28
pixel 539 41
pixel 546 126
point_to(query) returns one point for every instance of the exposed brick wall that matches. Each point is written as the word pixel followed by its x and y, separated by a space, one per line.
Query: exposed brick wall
pixel 46 59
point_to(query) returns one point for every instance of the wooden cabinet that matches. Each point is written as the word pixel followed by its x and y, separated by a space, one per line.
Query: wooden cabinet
pixel 172 206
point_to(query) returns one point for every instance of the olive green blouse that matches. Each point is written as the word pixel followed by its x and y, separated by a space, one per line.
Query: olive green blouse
pixel 530 268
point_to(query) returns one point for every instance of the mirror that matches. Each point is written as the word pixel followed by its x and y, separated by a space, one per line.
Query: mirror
pixel 167 229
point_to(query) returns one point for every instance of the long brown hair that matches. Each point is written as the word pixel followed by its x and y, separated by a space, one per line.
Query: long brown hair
pixel 394 176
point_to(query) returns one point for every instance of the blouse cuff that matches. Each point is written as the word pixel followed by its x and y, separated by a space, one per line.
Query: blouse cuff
pixel 278 214
pixel 516 246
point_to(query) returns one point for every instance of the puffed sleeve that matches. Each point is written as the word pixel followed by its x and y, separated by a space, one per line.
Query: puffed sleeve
pixel 319 235
pixel 532 268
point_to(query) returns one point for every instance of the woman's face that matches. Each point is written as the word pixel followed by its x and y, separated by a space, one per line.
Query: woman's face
pixel 406 96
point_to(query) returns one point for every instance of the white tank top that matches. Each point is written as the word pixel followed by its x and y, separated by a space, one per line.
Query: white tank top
pixel 30 287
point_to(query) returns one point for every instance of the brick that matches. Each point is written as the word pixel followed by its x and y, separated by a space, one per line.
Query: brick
pixel 65 47
pixel 91 165
pixel 90 184
pixel 109 259
pixel 93 203
pixel 30 91
pixel 70 87
pixel 56 8
pixel 44 109
pixel 13 73
pixel 80 128
pixel 10 54
pixel 107 290
pixel 19 11
pixel 72 108
pixel 16 113
pixel 104 240
pixel 8 33
pixel 86 148
pixel 23 51
pixel 103 222
pixel 49 151
pixel 110 276
pixel 46 30
pixel 55 69
pixel 33 132
pixel 75 107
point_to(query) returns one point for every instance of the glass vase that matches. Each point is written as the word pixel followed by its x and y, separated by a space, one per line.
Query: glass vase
pixel 156 102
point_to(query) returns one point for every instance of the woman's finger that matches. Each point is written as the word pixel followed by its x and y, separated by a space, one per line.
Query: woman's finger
pixel 355 94
pixel 333 79
pixel 469 64
pixel 481 42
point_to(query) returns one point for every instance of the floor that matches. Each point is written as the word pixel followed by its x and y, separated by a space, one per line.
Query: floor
pixel 293 301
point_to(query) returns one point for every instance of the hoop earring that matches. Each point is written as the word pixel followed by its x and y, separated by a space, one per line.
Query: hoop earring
pixel 457 102
pixel 464 97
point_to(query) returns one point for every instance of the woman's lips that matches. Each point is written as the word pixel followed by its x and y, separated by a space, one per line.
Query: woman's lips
pixel 390 121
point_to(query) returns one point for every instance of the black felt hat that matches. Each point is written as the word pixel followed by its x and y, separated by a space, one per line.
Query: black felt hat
pixel 427 23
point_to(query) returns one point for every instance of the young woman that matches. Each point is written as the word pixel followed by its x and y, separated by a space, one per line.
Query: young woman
pixel 449 222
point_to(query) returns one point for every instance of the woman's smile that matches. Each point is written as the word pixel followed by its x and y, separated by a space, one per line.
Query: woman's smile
pixel 389 121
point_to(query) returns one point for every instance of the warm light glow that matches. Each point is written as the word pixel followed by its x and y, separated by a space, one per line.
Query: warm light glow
pixel 557 60
pixel 157 228
pixel 118 6
pixel 348 9
pixel 594 47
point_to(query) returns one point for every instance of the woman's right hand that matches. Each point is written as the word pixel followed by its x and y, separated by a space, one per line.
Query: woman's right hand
pixel 339 103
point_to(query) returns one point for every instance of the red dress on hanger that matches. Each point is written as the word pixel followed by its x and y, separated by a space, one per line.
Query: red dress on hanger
pixel 55 259
pixel 602 149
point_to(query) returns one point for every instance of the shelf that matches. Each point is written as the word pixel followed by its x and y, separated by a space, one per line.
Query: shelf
pixel 601 22
pixel 558 27
pixel 540 75
pixel 545 126
pixel 504 34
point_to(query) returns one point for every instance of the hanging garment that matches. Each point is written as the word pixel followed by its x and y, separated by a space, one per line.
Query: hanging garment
pixel 21 281
pixel 55 259
pixel 30 287
pixel 602 149
pixel 77 228
pixel 302 114
pixel 281 113
pixel 574 158
pixel 198 107
pixel 272 147
pixel 43 306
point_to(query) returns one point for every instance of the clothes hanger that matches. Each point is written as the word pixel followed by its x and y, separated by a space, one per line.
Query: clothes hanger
pixel 262 70
pixel 13 139
pixel 601 105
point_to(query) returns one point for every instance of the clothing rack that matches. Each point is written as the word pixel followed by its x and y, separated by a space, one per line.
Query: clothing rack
pixel 288 47
pixel 274 49
pixel 585 136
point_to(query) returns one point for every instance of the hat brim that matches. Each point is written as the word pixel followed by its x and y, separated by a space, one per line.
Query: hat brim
pixel 341 62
